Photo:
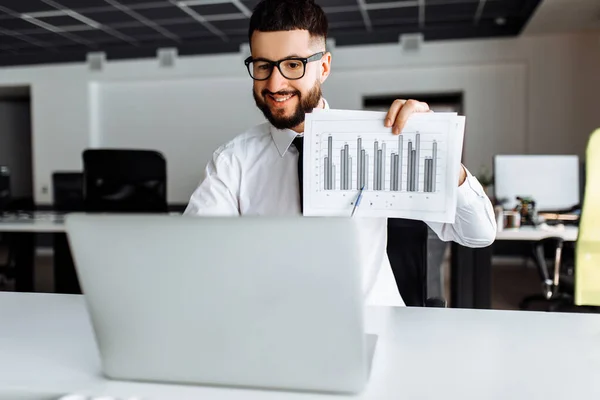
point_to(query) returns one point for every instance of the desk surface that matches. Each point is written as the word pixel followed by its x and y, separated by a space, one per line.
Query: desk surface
pixel 33 222
pixel 47 346
pixel 529 233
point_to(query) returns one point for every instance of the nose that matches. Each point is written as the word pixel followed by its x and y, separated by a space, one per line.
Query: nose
pixel 276 81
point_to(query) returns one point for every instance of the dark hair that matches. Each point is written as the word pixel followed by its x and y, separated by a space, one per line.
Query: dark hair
pixel 287 15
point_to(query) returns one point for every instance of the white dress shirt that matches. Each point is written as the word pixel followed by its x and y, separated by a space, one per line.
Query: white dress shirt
pixel 256 173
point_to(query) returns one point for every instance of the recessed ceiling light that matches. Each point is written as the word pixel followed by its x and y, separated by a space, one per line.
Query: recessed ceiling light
pixel 500 21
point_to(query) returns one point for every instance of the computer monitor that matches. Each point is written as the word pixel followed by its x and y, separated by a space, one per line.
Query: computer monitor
pixel 552 181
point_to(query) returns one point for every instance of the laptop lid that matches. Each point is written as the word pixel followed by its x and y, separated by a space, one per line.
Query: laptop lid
pixel 271 302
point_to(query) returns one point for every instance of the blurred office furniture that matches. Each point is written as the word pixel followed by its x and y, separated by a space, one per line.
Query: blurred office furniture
pixel 119 180
pixel 113 181
pixel 407 252
pixel 552 181
pixel 576 277
pixel 470 277
pixel 67 192
pixel 4 187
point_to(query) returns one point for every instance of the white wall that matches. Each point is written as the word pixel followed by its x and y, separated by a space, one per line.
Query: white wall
pixel 15 145
pixel 531 94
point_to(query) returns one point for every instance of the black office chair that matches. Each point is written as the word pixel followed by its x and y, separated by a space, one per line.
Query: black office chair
pixel 114 181
pixel 131 181
pixel 407 252
pixel 67 191
pixel 67 195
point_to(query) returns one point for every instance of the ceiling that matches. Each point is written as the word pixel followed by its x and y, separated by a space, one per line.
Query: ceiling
pixel 53 31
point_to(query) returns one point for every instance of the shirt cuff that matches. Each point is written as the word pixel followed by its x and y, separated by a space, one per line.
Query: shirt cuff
pixel 470 191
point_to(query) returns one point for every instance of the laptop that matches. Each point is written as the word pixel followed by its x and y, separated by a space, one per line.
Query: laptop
pixel 264 302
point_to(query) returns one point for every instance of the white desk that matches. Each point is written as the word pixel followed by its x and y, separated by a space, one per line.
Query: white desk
pixel 37 222
pixel 47 345
pixel 529 233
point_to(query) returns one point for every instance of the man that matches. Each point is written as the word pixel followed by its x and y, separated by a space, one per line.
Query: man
pixel 258 172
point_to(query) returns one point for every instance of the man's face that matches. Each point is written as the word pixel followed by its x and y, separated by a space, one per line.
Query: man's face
pixel 284 102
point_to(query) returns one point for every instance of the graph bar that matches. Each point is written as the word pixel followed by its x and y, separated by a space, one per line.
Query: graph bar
pixel 333 186
pixel 434 166
pixel 413 166
pixel 409 167
pixel 417 159
pixel 382 176
pixel 393 173
pixel 426 175
pixel 330 171
pixel 326 173
pixel 342 165
pixel 358 162
pixel 363 174
pixel 398 172
pixel 396 175
pixel 375 164
pixel 366 171
pixel 348 168
pixel 379 169
pixel 399 163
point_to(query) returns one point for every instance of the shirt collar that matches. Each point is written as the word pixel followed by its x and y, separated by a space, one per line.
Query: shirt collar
pixel 283 138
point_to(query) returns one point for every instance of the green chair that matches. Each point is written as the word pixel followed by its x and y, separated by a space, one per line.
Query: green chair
pixel 587 249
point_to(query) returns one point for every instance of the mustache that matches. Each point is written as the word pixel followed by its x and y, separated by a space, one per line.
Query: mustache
pixel 266 93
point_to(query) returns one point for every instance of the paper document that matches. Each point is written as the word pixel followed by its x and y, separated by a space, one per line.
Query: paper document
pixel 413 175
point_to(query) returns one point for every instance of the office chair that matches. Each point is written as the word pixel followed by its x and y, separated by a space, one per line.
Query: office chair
pixel 114 181
pixel 67 196
pixel 407 252
pixel 67 191
pixel 576 279
pixel 131 181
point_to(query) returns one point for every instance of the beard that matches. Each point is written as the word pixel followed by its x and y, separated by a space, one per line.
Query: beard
pixel 305 105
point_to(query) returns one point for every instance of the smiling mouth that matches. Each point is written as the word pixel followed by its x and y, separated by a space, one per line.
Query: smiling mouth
pixel 279 99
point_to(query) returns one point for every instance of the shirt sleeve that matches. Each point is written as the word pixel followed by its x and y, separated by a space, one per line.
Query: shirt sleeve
pixel 475 224
pixel 217 194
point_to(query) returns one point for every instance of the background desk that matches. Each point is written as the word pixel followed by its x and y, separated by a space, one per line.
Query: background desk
pixel 21 232
pixel 47 345
pixel 471 269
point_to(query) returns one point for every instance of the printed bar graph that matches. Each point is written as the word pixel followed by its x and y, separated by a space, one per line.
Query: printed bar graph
pixel 406 167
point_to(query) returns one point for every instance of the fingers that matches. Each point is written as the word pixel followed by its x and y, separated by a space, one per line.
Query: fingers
pixel 393 112
pixel 409 108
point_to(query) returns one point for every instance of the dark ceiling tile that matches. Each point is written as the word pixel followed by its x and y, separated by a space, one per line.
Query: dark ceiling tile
pixel 405 24
pixel 231 25
pixel 401 13
pixel 213 9
pixel 26 6
pixel 97 36
pixel 458 11
pixel 390 1
pixel 336 3
pixel 503 8
pixel 16 24
pixel 60 21
pixel 135 2
pixel 344 17
pixel 162 12
pixel 139 31
pixel 190 29
pixel 82 4
pixel 109 17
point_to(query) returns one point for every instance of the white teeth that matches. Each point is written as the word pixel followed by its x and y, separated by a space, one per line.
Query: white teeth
pixel 282 99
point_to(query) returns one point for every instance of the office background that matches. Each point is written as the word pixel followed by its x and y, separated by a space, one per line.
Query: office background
pixel 533 93
pixel 523 72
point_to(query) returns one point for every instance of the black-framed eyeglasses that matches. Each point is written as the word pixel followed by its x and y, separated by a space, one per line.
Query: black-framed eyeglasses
pixel 291 68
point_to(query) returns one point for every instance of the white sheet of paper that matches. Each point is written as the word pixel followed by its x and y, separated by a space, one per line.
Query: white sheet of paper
pixel 344 150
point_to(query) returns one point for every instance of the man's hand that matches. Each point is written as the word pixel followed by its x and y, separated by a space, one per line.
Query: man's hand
pixel 399 113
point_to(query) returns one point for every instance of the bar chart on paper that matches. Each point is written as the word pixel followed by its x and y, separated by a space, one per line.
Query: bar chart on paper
pixel 406 164
pixel 410 175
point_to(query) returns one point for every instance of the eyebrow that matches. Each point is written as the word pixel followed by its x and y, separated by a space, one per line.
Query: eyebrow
pixel 284 58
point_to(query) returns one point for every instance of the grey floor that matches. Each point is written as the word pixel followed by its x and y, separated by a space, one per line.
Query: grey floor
pixel 512 279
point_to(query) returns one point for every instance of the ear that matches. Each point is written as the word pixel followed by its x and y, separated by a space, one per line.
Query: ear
pixel 325 66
